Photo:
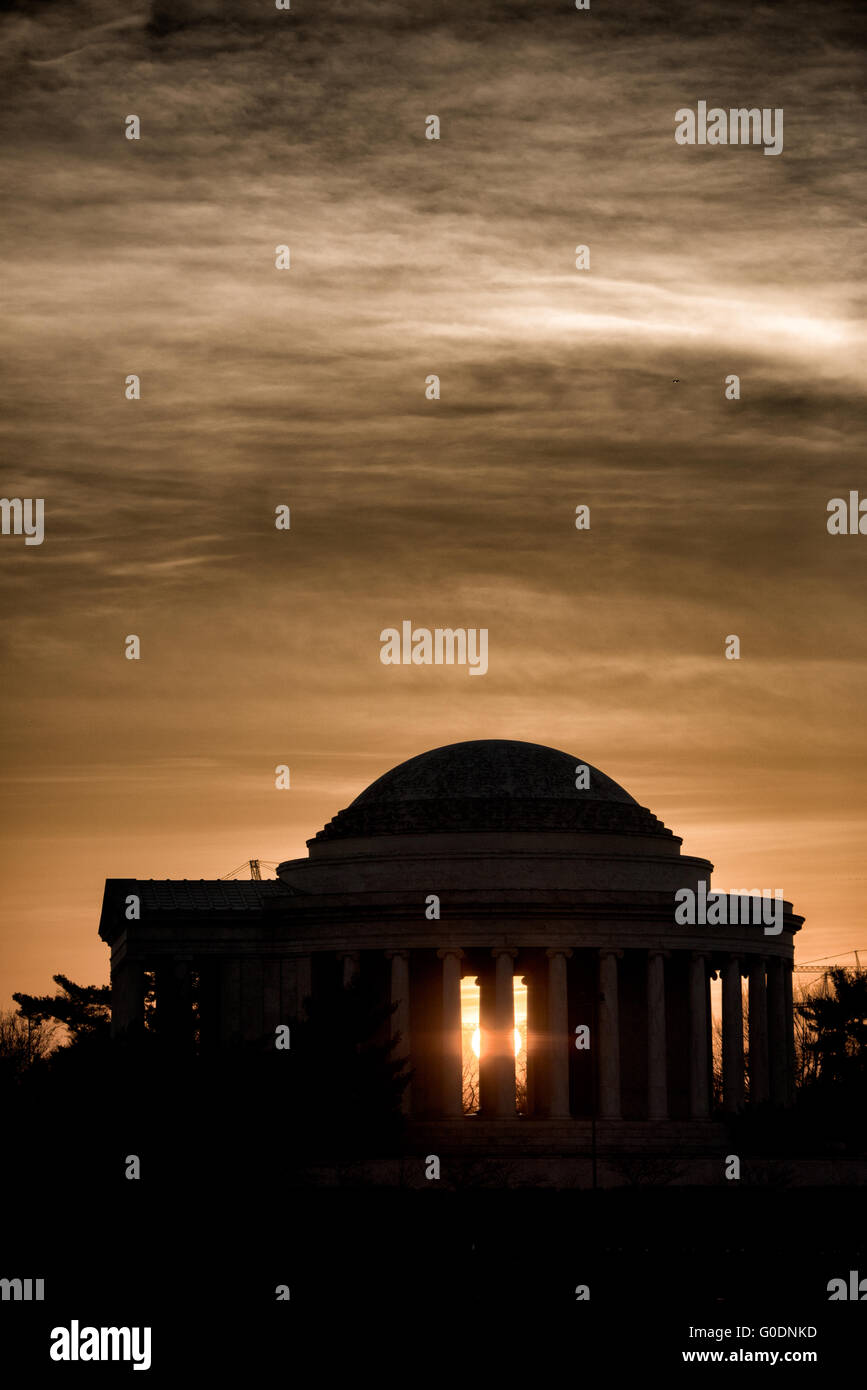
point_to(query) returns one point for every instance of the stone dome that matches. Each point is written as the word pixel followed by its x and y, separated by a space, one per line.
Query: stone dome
pixel 491 785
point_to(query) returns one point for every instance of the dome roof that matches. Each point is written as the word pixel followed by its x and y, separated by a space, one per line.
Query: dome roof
pixel 491 784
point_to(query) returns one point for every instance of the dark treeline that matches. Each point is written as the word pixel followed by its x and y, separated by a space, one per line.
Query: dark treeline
pixel 250 1113
pixel 253 1114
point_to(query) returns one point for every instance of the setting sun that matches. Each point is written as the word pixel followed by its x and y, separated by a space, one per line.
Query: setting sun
pixel 472 1041
pixel 476 1042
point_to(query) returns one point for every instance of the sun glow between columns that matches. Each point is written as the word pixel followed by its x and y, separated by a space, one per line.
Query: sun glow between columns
pixel 472 1042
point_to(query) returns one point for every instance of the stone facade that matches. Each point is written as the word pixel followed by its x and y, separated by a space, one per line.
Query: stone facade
pixel 572 891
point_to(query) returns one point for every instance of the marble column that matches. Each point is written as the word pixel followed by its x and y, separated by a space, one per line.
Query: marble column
pixel 252 998
pixel 559 1041
pixel 788 1006
pixel 127 997
pixel 657 1074
pixel 303 983
pixel 271 1018
pixel 777 1058
pixel 351 966
pixel 452 1033
pixel 175 1001
pixel 502 1044
pixel 538 1042
pixel 709 975
pixel 608 1059
pixel 758 1015
pixel 733 1036
pixel 400 1017
pixel 209 1002
pixel 699 1101
pixel 230 1000
pixel 290 1008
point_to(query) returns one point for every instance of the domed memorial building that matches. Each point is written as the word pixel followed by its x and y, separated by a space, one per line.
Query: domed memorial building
pixel 548 948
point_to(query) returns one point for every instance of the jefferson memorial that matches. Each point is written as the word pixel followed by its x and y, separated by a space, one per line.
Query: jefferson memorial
pixel 486 870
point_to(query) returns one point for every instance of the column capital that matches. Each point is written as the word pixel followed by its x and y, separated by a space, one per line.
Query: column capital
pixel 654 951
pixel 699 955
pixel 450 951
pixel 400 951
pixel 553 951
pixel 604 951
pixel 504 951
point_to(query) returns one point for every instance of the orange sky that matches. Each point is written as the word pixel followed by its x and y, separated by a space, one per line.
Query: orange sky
pixel 306 387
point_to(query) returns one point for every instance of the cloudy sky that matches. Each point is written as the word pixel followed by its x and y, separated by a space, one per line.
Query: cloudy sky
pixel 411 257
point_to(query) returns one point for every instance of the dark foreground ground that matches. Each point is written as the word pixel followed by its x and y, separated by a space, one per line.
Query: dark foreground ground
pixel 240 1193
pixel 454 1271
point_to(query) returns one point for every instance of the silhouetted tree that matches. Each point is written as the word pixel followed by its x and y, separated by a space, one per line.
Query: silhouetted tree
pixel 717 1073
pixel 346 1076
pixel 806 1067
pixel 470 1074
pixel 84 1009
pixel 23 1043
pixel 836 1017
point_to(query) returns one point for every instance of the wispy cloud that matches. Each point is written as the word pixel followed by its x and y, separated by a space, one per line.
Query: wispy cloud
pixel 559 387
